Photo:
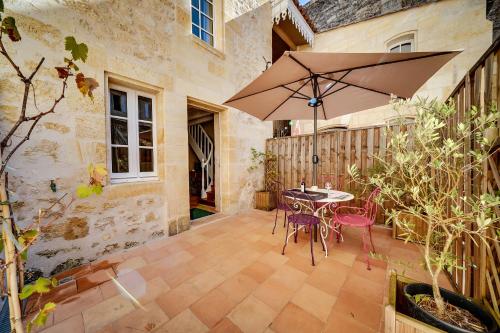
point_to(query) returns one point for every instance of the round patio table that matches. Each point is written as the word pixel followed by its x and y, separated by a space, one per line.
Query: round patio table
pixel 321 208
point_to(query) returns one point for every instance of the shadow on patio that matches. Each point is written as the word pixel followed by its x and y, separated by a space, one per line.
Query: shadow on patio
pixel 230 276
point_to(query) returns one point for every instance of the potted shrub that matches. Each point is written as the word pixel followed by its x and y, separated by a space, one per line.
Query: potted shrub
pixel 423 174
pixel 265 199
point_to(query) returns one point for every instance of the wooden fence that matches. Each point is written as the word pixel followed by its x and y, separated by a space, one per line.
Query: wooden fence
pixel 337 150
pixel 480 87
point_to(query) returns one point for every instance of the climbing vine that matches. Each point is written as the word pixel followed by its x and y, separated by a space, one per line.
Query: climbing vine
pixel 16 240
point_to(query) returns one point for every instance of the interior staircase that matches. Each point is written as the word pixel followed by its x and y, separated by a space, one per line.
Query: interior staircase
pixel 203 147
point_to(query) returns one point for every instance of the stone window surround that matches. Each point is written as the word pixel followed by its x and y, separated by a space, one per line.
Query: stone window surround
pixel 117 81
pixel 401 38
pixel 218 30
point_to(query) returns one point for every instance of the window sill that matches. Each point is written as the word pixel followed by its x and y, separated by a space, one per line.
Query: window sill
pixel 207 47
pixel 117 181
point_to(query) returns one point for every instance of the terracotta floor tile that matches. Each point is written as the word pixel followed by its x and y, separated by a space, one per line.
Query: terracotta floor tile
pixel 184 322
pixel 174 276
pixel 315 301
pixel 359 308
pixel 141 319
pixel 238 287
pixel 252 315
pixel 273 259
pixel 328 280
pixel 225 326
pixel 289 277
pixel 76 304
pixel 340 323
pixel 106 312
pixel 129 265
pixel 294 319
pixel 364 287
pixel 207 281
pixel 274 294
pixel 301 263
pixel 258 271
pixel 94 279
pixel 212 307
pixel 72 324
pixel 174 259
pixel 74 272
pixel 178 299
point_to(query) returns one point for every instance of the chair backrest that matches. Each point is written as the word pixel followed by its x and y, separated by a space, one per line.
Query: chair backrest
pixel 371 205
pixel 303 203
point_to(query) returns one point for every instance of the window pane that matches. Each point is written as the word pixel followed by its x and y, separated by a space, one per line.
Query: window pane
pixel 207 8
pixel 145 134
pixel 196 31
pixel 206 24
pixel 406 47
pixel 207 38
pixel 195 3
pixel 147 162
pixel 395 49
pixel 119 159
pixel 145 108
pixel 119 133
pixel 118 103
pixel 195 16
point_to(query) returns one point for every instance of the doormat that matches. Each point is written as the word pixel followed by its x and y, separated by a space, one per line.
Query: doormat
pixel 196 213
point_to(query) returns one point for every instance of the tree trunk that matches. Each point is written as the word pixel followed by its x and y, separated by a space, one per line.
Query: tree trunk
pixel 16 323
pixel 437 295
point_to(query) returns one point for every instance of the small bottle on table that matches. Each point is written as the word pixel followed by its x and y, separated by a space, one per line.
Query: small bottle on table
pixel 303 186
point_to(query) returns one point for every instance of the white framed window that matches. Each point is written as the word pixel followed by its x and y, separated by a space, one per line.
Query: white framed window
pixel 131 134
pixel 403 43
pixel 202 20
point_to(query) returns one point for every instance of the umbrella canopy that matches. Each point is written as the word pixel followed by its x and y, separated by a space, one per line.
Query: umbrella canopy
pixel 335 84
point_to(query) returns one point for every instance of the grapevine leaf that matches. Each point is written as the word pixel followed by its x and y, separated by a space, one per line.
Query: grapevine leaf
pixel 27 291
pixel 41 317
pixel 9 27
pixel 83 191
pixel 1 6
pixel 78 51
pixel 86 85
pixel 62 72
pixel 30 234
pixel 97 189
pixel 42 285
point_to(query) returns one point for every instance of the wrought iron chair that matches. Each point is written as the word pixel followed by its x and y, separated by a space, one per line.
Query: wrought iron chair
pixel 300 217
pixel 281 202
pixel 358 217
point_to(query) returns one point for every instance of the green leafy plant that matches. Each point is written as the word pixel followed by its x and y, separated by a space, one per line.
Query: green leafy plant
pixel 16 240
pixel 423 175
pixel 268 161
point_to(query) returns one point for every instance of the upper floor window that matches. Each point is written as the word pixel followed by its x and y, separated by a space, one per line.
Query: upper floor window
pixel 132 146
pixel 404 43
pixel 202 18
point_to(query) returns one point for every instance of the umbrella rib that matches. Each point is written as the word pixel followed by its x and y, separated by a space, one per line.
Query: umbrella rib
pixel 390 62
pixel 324 112
pixel 333 85
pixel 333 92
pixel 296 92
pixel 262 91
pixel 356 86
pixel 301 64
pixel 276 108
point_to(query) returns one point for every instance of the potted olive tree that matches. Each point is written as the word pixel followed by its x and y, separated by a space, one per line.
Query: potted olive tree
pixel 423 175
pixel 265 199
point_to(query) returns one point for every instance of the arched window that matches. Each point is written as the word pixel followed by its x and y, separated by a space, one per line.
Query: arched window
pixel 402 43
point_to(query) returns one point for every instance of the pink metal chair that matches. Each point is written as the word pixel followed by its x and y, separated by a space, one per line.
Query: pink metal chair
pixel 359 218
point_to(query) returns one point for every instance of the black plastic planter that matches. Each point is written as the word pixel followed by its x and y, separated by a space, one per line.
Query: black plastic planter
pixel 452 298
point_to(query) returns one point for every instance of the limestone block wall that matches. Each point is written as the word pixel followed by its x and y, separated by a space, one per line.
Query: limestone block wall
pixel 145 43
pixel 442 25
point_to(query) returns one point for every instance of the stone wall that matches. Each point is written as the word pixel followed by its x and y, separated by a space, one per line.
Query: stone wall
pixel 139 42
pixel 330 14
pixel 437 26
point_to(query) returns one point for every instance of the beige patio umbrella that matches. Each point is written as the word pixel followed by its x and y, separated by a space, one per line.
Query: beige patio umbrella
pixel 311 85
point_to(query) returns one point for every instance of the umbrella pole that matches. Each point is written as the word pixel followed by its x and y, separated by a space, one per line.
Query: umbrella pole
pixel 315 158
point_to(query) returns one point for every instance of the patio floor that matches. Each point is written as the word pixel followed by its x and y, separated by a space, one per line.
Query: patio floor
pixel 230 276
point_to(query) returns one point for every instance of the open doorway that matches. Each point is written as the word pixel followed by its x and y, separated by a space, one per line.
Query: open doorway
pixel 202 162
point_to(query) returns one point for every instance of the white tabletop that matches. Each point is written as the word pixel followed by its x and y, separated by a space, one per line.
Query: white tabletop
pixel 334 196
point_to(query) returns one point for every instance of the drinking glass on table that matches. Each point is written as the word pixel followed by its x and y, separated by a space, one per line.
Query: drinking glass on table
pixel 328 187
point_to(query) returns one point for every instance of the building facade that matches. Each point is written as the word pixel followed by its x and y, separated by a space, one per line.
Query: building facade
pixel 151 67
pixel 400 26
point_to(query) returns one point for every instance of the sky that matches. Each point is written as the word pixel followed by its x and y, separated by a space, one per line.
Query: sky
pixel 303 2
